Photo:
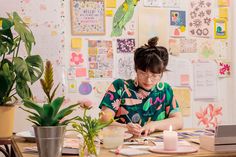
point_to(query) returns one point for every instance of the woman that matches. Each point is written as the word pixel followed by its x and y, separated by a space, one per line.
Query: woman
pixel 146 104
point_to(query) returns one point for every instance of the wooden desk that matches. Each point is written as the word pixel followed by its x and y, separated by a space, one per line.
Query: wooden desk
pixel 18 144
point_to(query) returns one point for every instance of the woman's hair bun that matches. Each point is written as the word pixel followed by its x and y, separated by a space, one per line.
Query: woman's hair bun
pixel 153 41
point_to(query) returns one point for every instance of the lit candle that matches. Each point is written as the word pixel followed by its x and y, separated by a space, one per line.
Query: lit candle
pixel 170 139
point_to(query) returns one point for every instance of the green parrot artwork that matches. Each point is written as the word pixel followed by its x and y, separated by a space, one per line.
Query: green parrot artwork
pixel 123 15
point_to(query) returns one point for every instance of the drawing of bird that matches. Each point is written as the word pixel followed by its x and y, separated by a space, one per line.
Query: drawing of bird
pixel 122 16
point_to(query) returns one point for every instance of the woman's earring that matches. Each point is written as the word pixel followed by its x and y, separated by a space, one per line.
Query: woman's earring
pixel 160 85
pixel 136 82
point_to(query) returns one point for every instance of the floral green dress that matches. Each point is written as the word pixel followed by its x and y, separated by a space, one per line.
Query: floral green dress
pixel 133 103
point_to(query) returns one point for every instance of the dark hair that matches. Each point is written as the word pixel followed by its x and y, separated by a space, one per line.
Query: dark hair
pixel 151 57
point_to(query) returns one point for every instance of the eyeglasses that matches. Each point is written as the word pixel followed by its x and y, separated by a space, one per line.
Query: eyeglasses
pixel 145 75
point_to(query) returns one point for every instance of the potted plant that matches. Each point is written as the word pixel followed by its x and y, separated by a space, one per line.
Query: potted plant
pixel 17 69
pixel 49 119
pixel 89 128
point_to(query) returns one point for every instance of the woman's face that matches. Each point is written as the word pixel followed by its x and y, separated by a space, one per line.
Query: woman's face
pixel 147 79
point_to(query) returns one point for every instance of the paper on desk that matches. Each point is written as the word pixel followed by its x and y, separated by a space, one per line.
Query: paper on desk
pixel 130 151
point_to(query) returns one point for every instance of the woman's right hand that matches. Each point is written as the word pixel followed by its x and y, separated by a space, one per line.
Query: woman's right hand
pixel 134 129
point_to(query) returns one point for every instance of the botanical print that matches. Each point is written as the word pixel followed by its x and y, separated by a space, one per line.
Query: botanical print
pixel 209 116
pixel 200 18
pixel 100 54
pixel 221 48
pixel 224 68
pixel 125 45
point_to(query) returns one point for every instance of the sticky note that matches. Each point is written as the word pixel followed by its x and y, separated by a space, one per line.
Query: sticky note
pixel 110 3
pixel 223 2
pixel 76 43
pixel 223 13
pixel 109 12
pixel 80 72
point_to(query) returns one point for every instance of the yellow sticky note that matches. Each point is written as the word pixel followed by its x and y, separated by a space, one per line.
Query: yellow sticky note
pixel 109 12
pixel 223 13
pixel 0 23
pixel 76 43
pixel 111 3
pixel 223 2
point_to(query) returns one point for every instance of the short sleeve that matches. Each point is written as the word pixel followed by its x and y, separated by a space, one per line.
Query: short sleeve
pixel 112 97
pixel 172 106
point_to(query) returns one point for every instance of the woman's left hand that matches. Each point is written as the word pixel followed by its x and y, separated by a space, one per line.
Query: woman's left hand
pixel 149 128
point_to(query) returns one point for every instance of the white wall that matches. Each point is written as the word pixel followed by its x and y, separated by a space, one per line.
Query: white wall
pixel 234 62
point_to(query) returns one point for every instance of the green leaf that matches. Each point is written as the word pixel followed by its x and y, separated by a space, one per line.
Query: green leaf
pixel 48 112
pixel 56 104
pixel 21 69
pixel 23 89
pixel 35 67
pixel 161 116
pixel 146 105
pixel 31 105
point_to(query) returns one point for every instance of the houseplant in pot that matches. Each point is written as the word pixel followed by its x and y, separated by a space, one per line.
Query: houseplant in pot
pixel 17 69
pixel 49 119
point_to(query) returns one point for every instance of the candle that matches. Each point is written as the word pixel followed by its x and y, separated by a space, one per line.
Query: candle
pixel 170 139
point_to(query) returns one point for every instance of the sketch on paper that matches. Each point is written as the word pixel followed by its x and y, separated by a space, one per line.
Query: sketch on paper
pixel 200 18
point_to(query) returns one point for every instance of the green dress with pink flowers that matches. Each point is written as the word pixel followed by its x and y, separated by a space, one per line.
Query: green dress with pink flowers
pixel 133 103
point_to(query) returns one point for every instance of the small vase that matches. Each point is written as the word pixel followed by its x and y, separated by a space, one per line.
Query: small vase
pixel 89 147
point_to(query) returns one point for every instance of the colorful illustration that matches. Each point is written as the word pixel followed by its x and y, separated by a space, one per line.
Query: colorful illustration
pixel 200 18
pixel 177 23
pixel 88 17
pixel 224 68
pixel 209 116
pixel 100 54
pixel 125 45
pixel 85 88
pixel 76 59
pixel 220 28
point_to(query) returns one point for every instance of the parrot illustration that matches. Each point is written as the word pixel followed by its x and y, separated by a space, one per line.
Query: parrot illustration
pixel 123 15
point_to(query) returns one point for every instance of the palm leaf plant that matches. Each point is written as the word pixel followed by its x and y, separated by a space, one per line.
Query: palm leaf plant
pixel 48 114
pixel 17 72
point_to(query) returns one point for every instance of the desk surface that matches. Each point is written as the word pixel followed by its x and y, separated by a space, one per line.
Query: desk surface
pixel 18 144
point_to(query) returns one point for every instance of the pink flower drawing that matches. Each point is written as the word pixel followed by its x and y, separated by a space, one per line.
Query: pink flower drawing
pixel 76 58
pixel 209 116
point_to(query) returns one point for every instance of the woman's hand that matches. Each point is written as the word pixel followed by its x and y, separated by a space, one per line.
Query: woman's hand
pixel 134 129
pixel 149 128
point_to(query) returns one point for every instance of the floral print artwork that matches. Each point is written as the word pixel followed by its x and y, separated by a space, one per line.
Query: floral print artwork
pixel 125 45
pixel 209 116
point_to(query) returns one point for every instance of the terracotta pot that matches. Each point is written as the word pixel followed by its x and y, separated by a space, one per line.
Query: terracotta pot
pixel 7 114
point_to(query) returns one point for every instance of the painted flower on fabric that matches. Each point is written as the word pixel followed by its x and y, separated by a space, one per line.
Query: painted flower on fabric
pixel 76 58
pixel 209 116
pixel 142 94
pixel 116 104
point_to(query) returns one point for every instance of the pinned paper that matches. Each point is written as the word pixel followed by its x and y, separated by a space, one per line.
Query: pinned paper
pixel 110 3
pixel 72 86
pixel 223 13
pixel 80 72
pixel 223 3
pixel 184 98
pixel 224 68
pixel 220 28
pixel 109 12
pixel 0 23
pixel 76 43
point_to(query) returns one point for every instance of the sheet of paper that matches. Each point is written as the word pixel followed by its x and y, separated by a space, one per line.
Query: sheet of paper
pixel 110 3
pixel 183 96
pixel 205 80
pixel 223 12
pixel 109 12
pixel 76 43
pixel 180 72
